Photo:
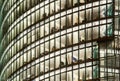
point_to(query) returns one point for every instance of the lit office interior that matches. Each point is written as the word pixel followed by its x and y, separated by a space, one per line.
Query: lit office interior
pixel 59 40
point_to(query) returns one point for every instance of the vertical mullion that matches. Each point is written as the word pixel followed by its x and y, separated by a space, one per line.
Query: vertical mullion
pixel 55 46
pixel 22 26
pixel 85 37
pixel 39 55
pixel 55 42
pixel 107 59
pixel 106 73
pixel 92 37
pixel 49 37
pixel 17 40
pixel 99 45
pixel 60 38
pixel 20 37
pixel 118 30
pixel 79 15
pixel 15 65
pixel 30 55
pixel 72 38
pixel 44 16
pixel 11 40
pixel 113 27
pixel 66 5
pixel 65 18
pixel 34 73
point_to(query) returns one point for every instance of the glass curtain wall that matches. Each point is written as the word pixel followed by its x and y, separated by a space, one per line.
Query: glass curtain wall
pixel 59 40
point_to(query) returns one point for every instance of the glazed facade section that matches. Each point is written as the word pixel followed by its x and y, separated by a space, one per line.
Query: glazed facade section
pixel 59 40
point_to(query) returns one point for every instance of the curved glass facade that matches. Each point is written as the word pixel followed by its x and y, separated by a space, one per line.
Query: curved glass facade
pixel 59 40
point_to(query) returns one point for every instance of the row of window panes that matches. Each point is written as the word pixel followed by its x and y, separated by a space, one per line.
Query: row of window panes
pixel 8 5
pixel 66 40
pixel 102 61
pixel 26 4
pixel 37 71
pixel 111 61
pixel 27 22
pixel 31 55
pixel 26 74
pixel 32 39
pixel 40 14
pixel 56 60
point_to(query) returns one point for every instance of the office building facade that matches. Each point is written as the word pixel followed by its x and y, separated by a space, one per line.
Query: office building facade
pixel 59 40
